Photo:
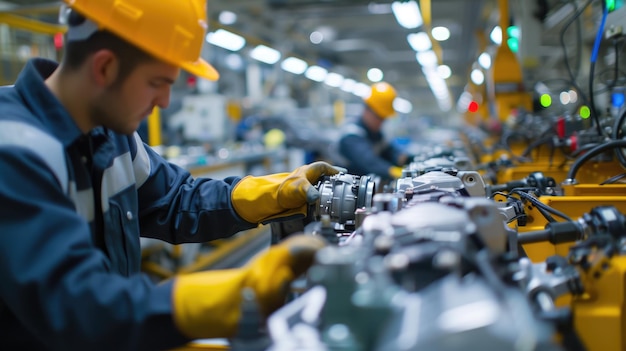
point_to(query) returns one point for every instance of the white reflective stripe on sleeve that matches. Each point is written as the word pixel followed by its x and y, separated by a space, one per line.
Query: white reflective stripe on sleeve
pixel 116 178
pixel 141 163
pixel 84 202
pixel 49 149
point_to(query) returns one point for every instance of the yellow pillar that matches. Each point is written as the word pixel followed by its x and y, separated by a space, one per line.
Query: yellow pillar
pixel 154 127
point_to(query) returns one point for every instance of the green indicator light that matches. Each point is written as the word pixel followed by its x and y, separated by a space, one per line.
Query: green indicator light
pixel 513 44
pixel 610 5
pixel 513 32
pixel 545 100
pixel 585 112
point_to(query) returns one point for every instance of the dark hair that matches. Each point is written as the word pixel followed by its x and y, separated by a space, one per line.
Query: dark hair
pixel 76 52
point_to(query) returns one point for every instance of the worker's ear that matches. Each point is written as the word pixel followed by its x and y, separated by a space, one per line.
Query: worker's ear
pixel 104 67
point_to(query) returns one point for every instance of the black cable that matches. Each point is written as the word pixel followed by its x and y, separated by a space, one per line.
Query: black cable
pixel 536 143
pixel 575 17
pixel 571 174
pixel 539 204
pixel 516 218
pixel 613 179
pixel 500 193
pixel 592 102
pixel 579 151
pixel 543 212
pixel 617 128
pixel 592 68
pixel 541 207
pixel 546 215
pixel 506 142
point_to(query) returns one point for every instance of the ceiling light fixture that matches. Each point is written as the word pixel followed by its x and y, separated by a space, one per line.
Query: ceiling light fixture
pixel 348 85
pixel 444 71
pixel 226 40
pixel 316 73
pixel 294 65
pixel 316 37
pixel 496 35
pixel 484 60
pixel 427 58
pixel 361 90
pixel 440 33
pixel 265 54
pixel 407 14
pixel 438 87
pixel 227 17
pixel 375 75
pixel 402 105
pixel 333 80
pixel 419 41
pixel 477 76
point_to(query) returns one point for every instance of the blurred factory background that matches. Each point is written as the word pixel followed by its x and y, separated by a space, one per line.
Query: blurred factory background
pixel 517 102
pixel 302 67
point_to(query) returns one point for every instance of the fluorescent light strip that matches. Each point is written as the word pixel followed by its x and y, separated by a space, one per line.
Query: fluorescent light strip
pixel 407 14
pixel 294 65
pixel 419 41
pixel 427 58
pixel 226 40
pixel 440 33
pixel 348 85
pixel 361 90
pixel 265 54
pixel 333 80
pixel 316 73
pixel 402 105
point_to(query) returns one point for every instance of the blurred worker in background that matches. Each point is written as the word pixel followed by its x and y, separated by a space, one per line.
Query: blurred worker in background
pixel 362 144
pixel 79 187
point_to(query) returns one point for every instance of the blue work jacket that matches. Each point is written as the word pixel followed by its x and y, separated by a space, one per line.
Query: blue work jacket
pixel 72 209
pixel 365 151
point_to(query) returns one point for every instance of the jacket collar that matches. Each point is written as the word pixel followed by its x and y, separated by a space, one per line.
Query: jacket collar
pixel 42 103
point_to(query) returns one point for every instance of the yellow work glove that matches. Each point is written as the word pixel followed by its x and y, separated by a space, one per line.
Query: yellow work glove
pixel 395 172
pixel 280 195
pixel 208 304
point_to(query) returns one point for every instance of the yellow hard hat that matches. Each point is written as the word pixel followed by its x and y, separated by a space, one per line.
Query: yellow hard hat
pixel 380 99
pixel 170 30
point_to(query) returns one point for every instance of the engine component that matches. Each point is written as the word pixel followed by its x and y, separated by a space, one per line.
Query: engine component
pixel 341 195
pixel 542 184
pixel 418 280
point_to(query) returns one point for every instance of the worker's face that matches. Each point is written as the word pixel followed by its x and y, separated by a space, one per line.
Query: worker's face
pixel 124 104
pixel 372 120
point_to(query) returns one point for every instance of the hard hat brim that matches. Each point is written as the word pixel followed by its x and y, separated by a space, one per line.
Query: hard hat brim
pixel 201 68
pixel 387 113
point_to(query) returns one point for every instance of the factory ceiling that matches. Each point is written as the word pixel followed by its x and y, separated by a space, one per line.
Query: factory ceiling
pixel 357 35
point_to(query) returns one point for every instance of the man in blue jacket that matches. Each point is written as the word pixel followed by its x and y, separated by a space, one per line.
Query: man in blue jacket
pixel 78 188
pixel 362 145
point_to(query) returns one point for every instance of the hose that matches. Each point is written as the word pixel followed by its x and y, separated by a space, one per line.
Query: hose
pixel 617 127
pixel 571 174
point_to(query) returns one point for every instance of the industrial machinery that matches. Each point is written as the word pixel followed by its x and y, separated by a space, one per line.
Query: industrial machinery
pixel 429 267
pixel 514 240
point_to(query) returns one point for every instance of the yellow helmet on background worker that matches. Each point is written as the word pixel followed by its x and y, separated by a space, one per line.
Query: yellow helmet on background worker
pixel 170 30
pixel 380 99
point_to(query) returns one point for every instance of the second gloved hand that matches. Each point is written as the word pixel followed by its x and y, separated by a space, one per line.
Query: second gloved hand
pixel 280 195
pixel 208 304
